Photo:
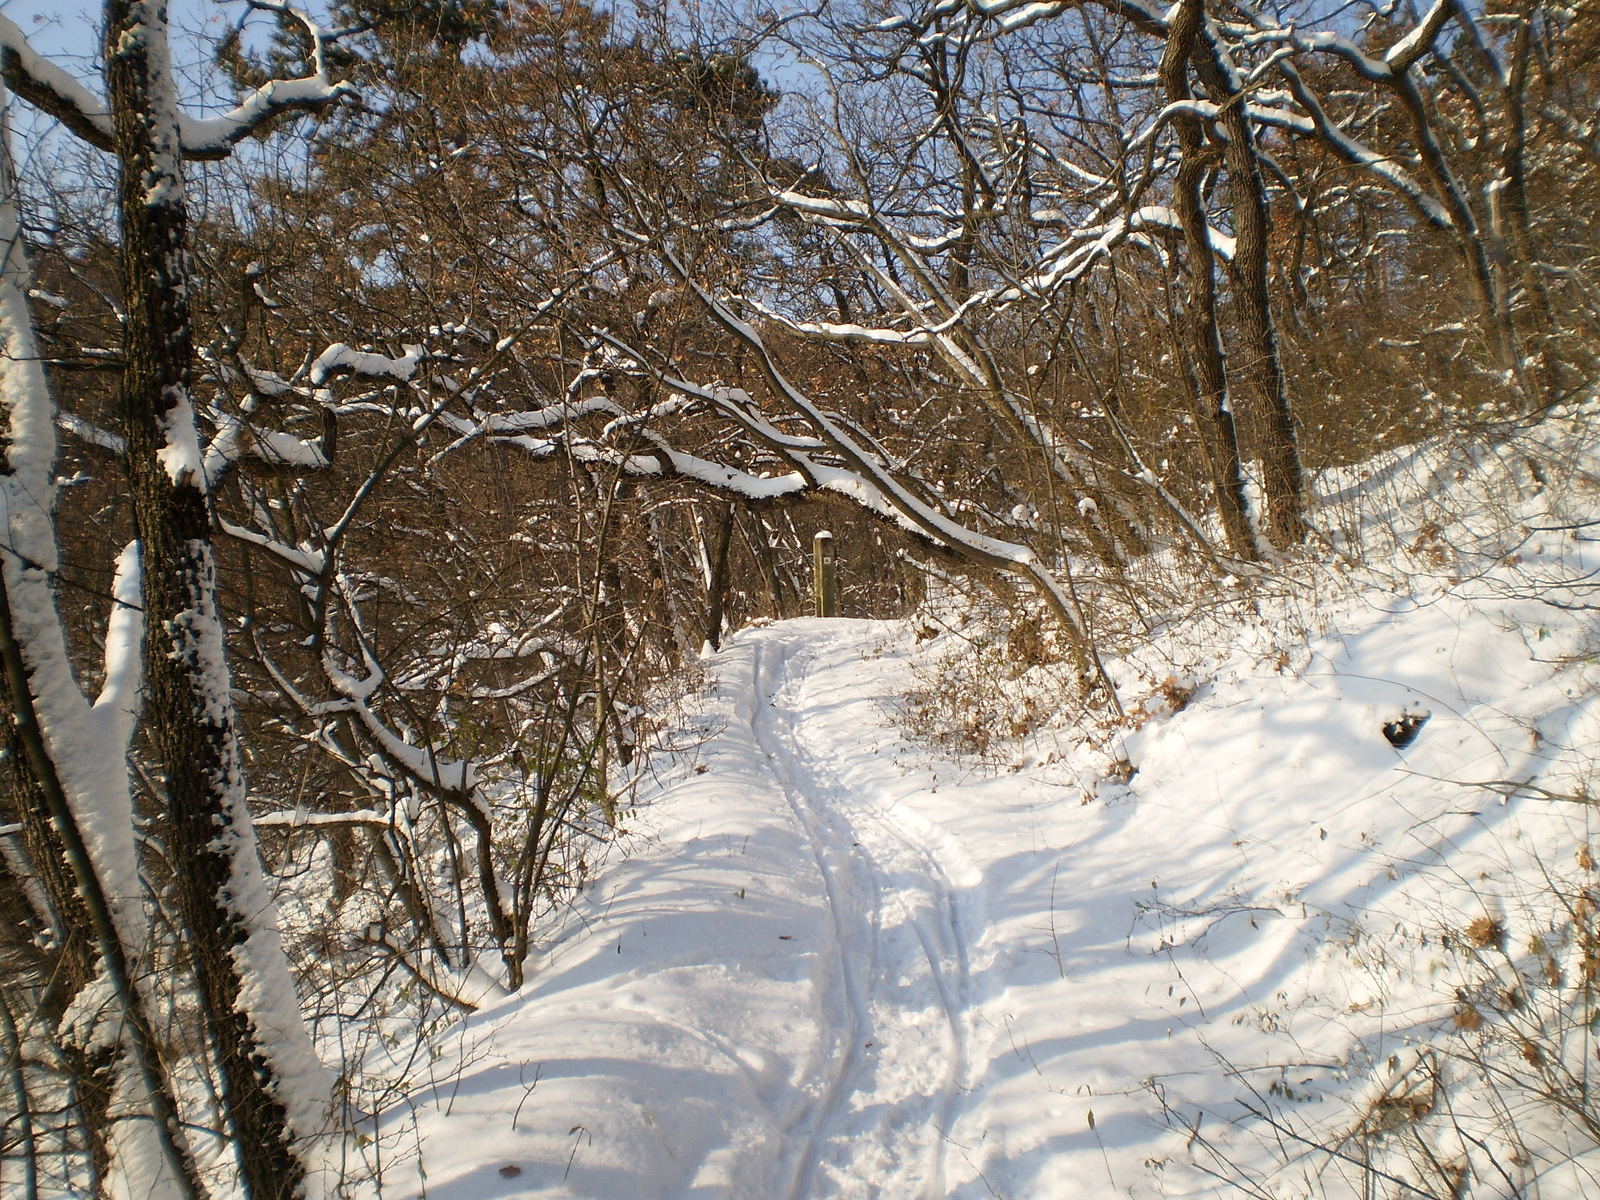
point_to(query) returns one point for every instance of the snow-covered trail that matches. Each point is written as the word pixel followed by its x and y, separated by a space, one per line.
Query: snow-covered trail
pixel 766 998
pixel 830 966
pixel 900 1014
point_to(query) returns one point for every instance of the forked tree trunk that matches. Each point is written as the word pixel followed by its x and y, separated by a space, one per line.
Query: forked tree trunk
pixel 1201 309
pixel 1283 479
pixel 68 777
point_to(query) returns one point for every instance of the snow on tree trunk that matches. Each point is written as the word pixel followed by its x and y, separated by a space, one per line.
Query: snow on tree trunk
pixel 272 1088
pixel 70 765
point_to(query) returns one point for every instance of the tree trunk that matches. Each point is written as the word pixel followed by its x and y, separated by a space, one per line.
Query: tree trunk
pixel 69 780
pixel 92 903
pixel 1519 218
pixel 223 909
pixel 718 598
pixel 1283 480
pixel 1201 309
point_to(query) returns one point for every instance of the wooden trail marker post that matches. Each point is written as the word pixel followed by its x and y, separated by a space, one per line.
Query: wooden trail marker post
pixel 824 592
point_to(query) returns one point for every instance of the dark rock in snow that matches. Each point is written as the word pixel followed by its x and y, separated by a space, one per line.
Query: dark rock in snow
pixel 1403 730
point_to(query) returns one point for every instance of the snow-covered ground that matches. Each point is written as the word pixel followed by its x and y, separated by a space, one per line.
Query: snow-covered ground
pixel 832 964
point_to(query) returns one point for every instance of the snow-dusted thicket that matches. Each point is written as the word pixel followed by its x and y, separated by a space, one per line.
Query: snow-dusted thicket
pixel 984 246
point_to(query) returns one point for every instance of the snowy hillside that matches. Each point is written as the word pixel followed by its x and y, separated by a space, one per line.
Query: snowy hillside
pixel 832 964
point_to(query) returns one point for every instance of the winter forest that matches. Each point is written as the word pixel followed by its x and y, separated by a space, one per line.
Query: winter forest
pixel 903 599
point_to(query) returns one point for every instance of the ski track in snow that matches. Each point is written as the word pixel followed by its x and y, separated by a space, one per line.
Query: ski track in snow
pixel 824 969
pixel 900 955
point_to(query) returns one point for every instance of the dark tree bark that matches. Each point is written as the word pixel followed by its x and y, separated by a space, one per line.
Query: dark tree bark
pixel 718 597
pixel 189 716
pixel 1262 367
pixel 1201 310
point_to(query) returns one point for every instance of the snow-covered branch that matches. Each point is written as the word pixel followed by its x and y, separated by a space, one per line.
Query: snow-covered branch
pixel 51 89
pixel 864 479
pixel 215 137
pixel 56 92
